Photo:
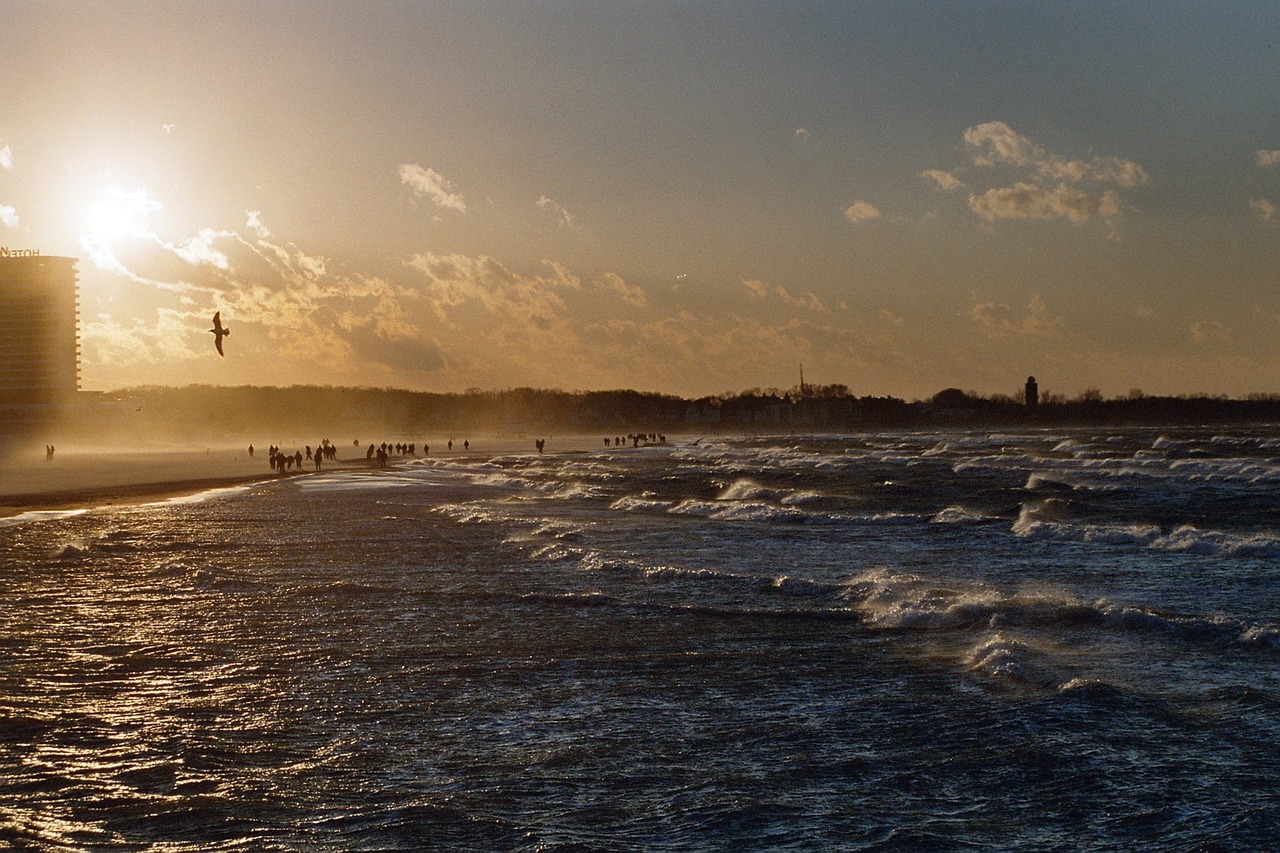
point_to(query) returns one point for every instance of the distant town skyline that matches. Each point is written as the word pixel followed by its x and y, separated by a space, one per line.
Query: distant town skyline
pixel 685 198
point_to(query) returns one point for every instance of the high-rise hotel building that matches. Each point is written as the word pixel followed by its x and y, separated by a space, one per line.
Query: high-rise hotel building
pixel 39 338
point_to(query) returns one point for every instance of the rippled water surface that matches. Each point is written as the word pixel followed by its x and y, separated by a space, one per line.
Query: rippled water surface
pixel 1027 640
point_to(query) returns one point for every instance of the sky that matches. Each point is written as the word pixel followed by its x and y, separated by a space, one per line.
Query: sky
pixel 682 197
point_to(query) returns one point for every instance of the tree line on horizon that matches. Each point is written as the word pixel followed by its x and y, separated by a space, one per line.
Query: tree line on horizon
pixel 334 411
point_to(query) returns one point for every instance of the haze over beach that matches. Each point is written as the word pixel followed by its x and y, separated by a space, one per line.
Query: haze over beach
pixel 685 198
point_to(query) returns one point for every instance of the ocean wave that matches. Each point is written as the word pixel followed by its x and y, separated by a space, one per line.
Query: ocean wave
pixel 1011 659
pixel 556 552
pixel 1049 521
pixel 957 514
pixel 646 502
pixel 738 511
pixel 892 600
pixel 747 489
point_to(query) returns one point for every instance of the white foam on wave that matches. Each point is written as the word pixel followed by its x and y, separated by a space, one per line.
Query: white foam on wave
pixel 646 502
pixel 1012 659
pixel 957 514
pixel 1190 539
pixel 1038 520
pixel 892 600
pixel 899 600
pixel 745 489
pixel 737 511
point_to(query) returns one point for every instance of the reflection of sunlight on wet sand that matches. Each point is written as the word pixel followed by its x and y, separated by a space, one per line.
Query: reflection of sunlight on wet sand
pixel 39 515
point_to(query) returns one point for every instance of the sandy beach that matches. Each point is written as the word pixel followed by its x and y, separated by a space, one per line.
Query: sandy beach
pixel 76 478
pixel 82 478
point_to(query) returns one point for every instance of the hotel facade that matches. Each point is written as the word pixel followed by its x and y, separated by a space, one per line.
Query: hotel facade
pixel 39 332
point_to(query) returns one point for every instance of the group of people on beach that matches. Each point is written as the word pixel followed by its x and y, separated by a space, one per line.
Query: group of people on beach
pixel 282 462
pixel 380 455
pixel 636 439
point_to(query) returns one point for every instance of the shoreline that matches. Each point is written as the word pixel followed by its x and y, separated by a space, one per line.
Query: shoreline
pixel 131 494
pixel 83 479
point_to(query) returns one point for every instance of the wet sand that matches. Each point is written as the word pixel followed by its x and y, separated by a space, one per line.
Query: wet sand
pixel 85 479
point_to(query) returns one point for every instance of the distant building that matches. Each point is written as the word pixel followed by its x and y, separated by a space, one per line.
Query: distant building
pixel 39 338
pixel 1032 397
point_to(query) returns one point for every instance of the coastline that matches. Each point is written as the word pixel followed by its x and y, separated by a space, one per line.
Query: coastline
pixel 89 478
pixel 80 477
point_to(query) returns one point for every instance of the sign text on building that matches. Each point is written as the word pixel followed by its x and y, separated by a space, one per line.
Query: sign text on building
pixel 6 252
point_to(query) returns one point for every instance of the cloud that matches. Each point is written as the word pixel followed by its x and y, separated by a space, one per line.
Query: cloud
pixel 995 142
pixel 1264 209
pixel 456 281
pixel 107 341
pixel 1210 332
pixel 199 249
pixel 997 320
pixel 861 211
pixel 6 158
pixel 556 211
pixel 1030 201
pixel 432 185
pixel 802 133
pixel 944 181
pixel 1045 186
pixel 8 216
pixel 254 222
pixel 762 290
pixel 630 293
pixel 1268 158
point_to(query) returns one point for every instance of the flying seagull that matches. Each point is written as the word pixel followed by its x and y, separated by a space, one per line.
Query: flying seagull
pixel 219 332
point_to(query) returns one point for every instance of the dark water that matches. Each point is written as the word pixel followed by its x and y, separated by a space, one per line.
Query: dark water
pixel 904 641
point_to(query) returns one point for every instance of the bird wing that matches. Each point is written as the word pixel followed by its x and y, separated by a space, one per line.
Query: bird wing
pixel 217 319
pixel 217 342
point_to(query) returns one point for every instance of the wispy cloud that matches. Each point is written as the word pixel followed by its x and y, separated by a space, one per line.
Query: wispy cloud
pixel 764 290
pixel 1206 332
pixel 861 211
pixel 802 133
pixel 1268 158
pixel 199 249
pixel 1263 208
pixel 8 216
pixel 6 158
pixel 432 185
pixel 998 320
pixel 942 180
pixel 555 210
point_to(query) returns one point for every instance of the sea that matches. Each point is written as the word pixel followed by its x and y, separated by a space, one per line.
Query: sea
pixel 1015 639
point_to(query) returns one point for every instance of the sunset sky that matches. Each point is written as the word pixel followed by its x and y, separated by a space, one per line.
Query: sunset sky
pixel 686 197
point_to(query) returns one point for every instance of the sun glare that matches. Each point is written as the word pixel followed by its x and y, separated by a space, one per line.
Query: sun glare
pixel 120 214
